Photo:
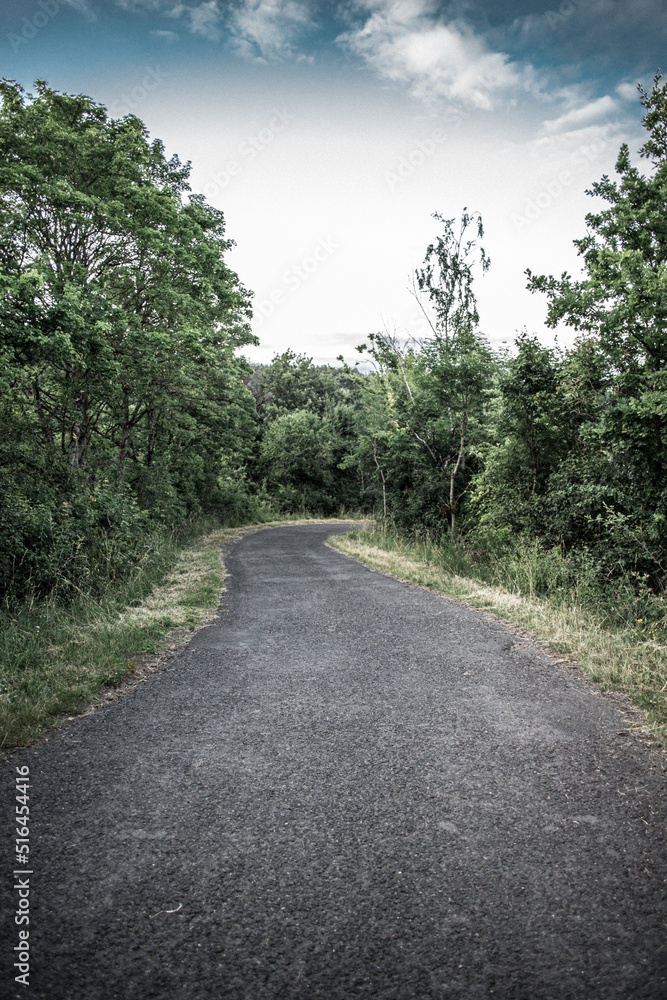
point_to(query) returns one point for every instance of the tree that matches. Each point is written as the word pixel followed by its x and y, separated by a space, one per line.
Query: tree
pixel 435 390
pixel 619 310
pixel 292 382
pixel 447 275
pixel 118 315
pixel 307 417
pixel 528 387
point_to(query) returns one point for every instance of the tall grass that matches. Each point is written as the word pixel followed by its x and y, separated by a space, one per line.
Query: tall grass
pixel 56 655
pixel 528 569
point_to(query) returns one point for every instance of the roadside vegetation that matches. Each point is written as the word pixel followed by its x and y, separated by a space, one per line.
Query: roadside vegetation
pixel 130 421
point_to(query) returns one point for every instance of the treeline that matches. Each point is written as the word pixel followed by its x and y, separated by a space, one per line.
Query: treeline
pixel 563 448
pixel 126 409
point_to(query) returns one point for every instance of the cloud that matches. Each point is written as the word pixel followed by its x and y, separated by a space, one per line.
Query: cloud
pixel 204 20
pixel 201 18
pixel 627 91
pixel 582 117
pixel 165 36
pixel 405 41
pixel 83 7
pixel 267 29
pixel 257 29
pixel 140 6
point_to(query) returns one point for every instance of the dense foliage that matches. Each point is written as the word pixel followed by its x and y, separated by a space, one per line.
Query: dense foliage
pixel 307 418
pixel 122 403
pixel 565 447
pixel 125 407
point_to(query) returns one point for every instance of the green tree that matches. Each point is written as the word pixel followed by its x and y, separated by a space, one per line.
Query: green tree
pixel 435 391
pixel 447 275
pixel 617 374
pixel 307 416
pixel 292 382
pixel 118 319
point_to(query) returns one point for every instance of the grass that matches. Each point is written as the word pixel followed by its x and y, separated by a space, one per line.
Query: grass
pixel 55 661
pixel 615 654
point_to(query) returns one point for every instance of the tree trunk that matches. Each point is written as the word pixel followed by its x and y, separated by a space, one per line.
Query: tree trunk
pixel 382 477
pixel 47 430
pixel 532 451
pixel 452 477
pixel 74 451
pixel 80 431
pixel 124 434
pixel 151 420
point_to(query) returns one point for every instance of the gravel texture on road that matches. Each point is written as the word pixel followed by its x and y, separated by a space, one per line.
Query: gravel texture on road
pixel 344 787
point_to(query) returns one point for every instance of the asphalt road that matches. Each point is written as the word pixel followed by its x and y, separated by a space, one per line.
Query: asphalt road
pixel 346 787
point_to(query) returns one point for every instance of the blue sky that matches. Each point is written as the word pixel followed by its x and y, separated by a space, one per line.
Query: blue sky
pixel 329 133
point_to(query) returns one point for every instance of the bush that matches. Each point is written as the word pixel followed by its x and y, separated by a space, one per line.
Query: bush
pixel 54 542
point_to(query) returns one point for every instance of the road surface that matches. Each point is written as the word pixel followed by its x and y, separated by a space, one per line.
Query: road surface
pixel 345 787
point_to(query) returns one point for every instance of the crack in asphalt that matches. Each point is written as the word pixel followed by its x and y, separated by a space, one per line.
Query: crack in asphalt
pixel 344 787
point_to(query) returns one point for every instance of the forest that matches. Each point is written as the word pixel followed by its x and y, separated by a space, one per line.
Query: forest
pixel 128 410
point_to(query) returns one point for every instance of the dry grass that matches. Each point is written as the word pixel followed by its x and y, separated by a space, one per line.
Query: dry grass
pixel 190 594
pixel 614 658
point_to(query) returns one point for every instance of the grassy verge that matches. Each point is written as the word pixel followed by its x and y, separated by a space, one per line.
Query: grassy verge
pixel 55 661
pixel 614 655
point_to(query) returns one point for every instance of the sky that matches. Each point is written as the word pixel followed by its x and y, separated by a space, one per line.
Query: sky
pixel 329 134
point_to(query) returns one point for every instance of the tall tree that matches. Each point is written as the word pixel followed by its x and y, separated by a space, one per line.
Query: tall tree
pixel 435 390
pixel 619 310
pixel 118 314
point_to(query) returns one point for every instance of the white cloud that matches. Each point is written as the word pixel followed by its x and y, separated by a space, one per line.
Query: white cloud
pixel 258 29
pixel 83 7
pixel 579 118
pixel 267 29
pixel 165 36
pixel 201 18
pixel 140 6
pixel 204 20
pixel 404 41
pixel 627 91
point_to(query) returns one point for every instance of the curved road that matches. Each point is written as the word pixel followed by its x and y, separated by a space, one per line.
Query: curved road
pixel 346 787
